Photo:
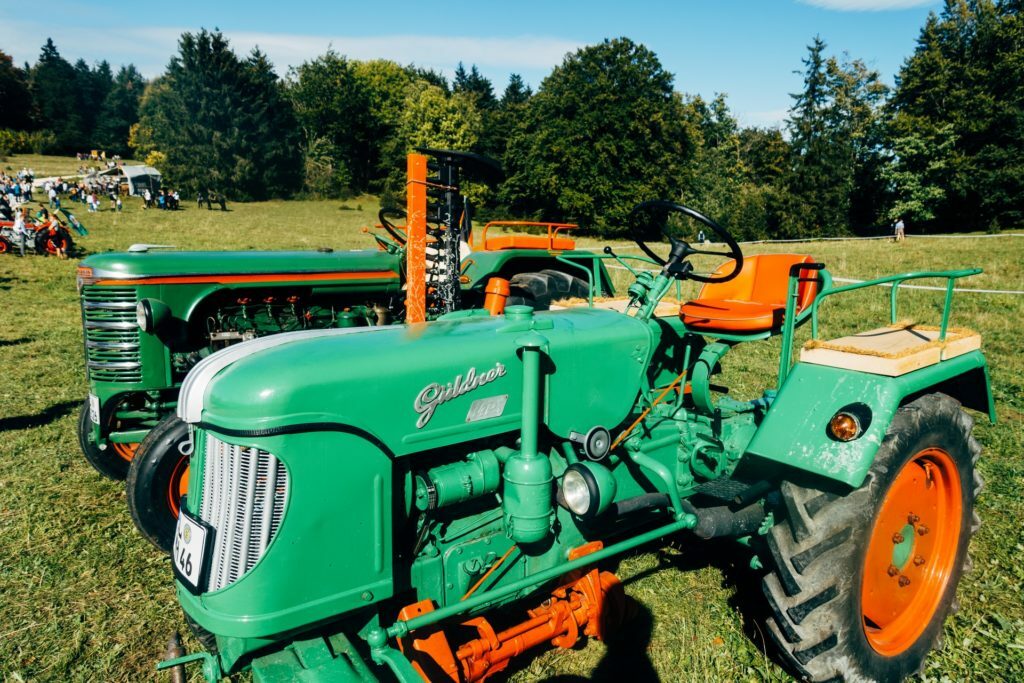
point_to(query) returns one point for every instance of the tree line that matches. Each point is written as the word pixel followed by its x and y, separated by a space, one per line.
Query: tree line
pixel 607 128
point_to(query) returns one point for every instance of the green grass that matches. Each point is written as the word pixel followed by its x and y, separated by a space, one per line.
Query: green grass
pixel 84 597
pixel 46 165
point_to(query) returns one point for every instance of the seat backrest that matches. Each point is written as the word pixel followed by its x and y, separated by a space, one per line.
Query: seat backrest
pixel 764 278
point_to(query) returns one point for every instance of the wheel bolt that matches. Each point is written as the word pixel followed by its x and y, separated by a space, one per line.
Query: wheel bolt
pixel 913 519
pixel 897 538
pixel 904 582
pixel 918 560
pixel 893 570
pixel 922 530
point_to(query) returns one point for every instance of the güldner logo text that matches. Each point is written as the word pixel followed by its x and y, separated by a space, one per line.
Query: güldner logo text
pixel 435 394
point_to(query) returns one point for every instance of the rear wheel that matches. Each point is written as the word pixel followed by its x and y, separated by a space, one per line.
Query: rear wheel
pixel 5 246
pixel 862 582
pixel 539 290
pixel 157 479
pixel 112 461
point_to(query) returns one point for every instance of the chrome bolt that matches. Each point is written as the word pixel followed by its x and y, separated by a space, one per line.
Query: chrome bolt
pixel 918 560
pixel 893 570
pixel 922 530
pixel 897 538
pixel 904 582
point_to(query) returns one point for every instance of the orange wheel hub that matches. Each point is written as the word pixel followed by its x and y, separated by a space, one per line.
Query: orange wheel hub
pixel 911 552
pixel 178 485
pixel 126 450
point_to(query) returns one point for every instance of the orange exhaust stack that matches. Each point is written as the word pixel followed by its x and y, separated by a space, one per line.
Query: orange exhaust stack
pixel 496 294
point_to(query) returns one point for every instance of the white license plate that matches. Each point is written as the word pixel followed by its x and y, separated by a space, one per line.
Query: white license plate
pixel 94 408
pixel 190 546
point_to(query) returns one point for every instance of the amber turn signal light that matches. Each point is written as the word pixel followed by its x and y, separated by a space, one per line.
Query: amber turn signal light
pixel 844 427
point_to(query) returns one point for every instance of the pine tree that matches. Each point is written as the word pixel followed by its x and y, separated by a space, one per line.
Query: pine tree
pixel 16 105
pixel 54 86
pixel 222 123
pixel 120 111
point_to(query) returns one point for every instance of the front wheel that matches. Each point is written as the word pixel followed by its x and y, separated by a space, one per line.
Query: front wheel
pixel 157 479
pixel 112 462
pixel 862 582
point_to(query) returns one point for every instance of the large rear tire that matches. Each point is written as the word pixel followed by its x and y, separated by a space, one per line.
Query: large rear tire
pixel 862 582
pixel 539 290
pixel 157 478
pixel 112 462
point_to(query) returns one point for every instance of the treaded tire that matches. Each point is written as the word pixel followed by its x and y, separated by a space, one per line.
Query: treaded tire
pixel 539 290
pixel 153 479
pixel 107 462
pixel 205 638
pixel 814 588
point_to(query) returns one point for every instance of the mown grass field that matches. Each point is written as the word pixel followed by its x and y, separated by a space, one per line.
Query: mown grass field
pixel 83 597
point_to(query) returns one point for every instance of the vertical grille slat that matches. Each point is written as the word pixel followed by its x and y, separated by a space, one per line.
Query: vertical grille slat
pixel 244 495
pixel 111 334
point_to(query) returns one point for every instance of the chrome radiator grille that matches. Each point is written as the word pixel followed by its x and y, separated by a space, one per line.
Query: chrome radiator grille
pixel 111 334
pixel 244 494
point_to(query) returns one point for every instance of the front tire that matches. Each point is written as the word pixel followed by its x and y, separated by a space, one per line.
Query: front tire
pixel 112 462
pixel 862 582
pixel 157 479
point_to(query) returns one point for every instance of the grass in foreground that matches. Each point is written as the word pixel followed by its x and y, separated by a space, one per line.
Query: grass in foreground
pixel 84 597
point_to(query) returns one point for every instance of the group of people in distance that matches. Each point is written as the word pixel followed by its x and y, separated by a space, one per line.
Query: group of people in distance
pixel 17 189
pixel 168 200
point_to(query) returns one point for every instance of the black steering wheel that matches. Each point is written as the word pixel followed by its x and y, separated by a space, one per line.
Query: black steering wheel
pixel 393 230
pixel 682 250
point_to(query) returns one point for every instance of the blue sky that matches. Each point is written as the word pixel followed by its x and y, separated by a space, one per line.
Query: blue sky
pixel 747 49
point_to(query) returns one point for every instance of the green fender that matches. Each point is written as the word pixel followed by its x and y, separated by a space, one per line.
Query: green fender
pixel 793 432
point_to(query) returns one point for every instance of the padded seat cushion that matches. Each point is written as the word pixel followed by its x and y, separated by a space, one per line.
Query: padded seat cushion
pixel 733 316
pixel 529 242
pixel 752 302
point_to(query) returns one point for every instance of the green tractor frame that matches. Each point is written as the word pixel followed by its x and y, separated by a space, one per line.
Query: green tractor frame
pixel 150 315
pixel 362 502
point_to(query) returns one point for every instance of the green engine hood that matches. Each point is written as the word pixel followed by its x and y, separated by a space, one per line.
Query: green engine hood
pixel 415 387
pixel 156 264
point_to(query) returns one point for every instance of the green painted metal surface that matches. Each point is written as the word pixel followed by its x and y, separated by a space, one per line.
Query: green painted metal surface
pixel 793 432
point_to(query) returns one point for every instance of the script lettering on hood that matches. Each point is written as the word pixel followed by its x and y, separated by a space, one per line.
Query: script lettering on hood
pixel 435 394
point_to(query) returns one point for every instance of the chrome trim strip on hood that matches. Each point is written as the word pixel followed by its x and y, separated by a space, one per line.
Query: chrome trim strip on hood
pixel 193 389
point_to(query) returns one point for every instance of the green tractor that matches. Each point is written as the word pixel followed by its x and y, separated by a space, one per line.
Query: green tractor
pixel 379 502
pixel 150 315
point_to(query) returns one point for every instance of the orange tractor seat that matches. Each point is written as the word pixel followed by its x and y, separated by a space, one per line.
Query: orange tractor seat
pixel 529 242
pixel 752 302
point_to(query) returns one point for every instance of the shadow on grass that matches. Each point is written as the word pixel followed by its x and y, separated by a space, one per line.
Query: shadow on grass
pixel 14 342
pixel 51 414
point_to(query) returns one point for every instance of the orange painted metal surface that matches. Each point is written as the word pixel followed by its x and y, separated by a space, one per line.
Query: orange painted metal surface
pixel 588 604
pixel 912 551
pixel 266 277
pixel 126 451
pixel 753 301
pixel 178 485
pixel 416 246
pixel 495 295
pixel 552 241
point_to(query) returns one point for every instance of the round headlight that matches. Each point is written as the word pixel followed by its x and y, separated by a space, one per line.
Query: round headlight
pixel 576 492
pixel 144 316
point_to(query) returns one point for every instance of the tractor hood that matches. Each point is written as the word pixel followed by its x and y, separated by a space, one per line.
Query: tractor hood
pixel 150 265
pixel 415 387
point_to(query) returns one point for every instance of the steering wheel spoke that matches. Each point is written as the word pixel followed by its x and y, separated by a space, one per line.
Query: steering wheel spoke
pixel 682 250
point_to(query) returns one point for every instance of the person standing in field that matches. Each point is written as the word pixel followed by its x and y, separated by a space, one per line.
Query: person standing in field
pixel 21 228
pixel 899 230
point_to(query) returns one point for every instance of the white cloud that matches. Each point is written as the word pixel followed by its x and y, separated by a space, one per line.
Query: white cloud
pixel 867 5
pixel 150 48
pixel 775 118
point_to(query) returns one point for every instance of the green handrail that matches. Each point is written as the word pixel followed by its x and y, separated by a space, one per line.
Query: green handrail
pixel 594 277
pixel 896 281
pixel 827 290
